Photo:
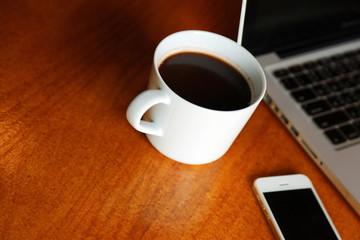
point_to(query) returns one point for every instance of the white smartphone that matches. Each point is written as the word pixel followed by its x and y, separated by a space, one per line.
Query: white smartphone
pixel 293 209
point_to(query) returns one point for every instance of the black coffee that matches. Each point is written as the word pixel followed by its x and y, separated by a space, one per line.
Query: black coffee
pixel 206 81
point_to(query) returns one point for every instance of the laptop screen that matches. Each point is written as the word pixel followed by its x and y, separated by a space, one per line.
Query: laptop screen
pixel 289 27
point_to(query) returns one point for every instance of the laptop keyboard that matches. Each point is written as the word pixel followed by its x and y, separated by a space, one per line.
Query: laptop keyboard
pixel 328 90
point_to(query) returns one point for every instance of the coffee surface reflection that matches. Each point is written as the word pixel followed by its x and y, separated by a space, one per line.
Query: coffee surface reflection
pixel 206 81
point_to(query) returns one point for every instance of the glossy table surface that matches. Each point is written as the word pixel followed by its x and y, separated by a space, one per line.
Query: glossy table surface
pixel 72 167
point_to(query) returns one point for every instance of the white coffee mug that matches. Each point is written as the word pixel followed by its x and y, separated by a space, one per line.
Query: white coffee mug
pixel 181 130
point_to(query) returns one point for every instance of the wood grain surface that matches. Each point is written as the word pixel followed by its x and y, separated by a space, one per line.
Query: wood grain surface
pixel 72 167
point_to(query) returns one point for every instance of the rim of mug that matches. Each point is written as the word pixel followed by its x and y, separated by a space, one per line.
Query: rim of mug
pixel 158 60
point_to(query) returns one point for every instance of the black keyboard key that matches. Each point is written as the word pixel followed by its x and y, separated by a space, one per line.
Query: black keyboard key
pixel 324 61
pixel 348 82
pixel 316 107
pixel 350 132
pixel 331 119
pixel 348 67
pixel 303 95
pixel 350 97
pixel 281 72
pixel 321 74
pixel 356 79
pixel 351 54
pixel 295 68
pixel 321 89
pixel 338 57
pixel 314 77
pixel 355 64
pixel 335 136
pixel 336 101
pixel 304 79
pixel 289 83
pixel 309 65
pixel 336 85
pixel 354 111
pixel 334 71
pixel 357 125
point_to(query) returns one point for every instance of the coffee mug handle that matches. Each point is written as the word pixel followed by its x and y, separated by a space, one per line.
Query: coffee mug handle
pixel 143 102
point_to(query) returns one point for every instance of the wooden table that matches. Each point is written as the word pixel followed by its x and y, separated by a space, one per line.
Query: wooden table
pixel 71 167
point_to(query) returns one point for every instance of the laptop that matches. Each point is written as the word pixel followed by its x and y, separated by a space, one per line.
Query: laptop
pixel 310 52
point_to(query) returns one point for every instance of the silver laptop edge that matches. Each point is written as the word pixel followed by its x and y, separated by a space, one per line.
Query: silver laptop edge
pixel 342 166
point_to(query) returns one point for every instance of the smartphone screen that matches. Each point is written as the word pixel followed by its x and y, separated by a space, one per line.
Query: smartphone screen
pixel 299 215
